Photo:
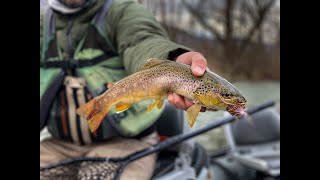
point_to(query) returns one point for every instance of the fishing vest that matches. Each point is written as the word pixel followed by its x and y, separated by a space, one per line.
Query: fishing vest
pixel 66 84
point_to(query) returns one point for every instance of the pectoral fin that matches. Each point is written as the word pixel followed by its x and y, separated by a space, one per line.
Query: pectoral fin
pixel 120 107
pixel 192 114
pixel 158 103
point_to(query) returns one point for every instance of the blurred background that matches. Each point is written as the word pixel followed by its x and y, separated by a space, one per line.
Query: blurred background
pixel 240 40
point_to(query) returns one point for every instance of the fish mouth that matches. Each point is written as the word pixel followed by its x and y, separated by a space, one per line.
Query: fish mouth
pixel 234 108
pixel 237 109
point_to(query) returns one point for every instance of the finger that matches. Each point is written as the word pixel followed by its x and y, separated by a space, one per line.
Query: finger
pixel 198 65
pixel 203 109
pixel 187 103
pixel 185 58
pixel 170 98
pixel 179 101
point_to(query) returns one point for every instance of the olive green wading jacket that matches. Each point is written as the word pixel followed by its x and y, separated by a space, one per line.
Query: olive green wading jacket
pixel 124 29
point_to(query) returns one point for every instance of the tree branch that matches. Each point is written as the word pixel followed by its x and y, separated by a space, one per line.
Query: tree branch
pixel 202 21
pixel 261 16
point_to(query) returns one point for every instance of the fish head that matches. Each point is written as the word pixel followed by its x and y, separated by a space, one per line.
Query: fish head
pixel 217 93
pixel 235 103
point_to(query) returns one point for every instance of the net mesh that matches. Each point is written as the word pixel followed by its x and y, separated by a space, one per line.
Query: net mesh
pixel 82 170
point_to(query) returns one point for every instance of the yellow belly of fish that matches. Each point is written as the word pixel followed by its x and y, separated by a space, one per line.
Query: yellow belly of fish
pixel 212 102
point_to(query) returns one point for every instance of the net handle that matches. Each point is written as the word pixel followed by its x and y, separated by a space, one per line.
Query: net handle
pixel 164 144
pixel 181 137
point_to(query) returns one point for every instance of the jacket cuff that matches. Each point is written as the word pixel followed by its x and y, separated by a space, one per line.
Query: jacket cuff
pixel 172 55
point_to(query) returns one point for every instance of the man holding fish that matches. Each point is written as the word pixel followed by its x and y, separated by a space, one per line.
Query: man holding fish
pixel 88 48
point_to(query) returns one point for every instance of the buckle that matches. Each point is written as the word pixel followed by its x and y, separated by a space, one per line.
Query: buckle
pixel 74 82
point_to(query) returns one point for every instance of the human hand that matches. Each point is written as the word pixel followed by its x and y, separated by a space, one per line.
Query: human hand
pixel 198 66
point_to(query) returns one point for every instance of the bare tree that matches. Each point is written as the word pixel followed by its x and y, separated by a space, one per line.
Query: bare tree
pixel 254 11
pixel 258 14
pixel 201 17
pixel 240 30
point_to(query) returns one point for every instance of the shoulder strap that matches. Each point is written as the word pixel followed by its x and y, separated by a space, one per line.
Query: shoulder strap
pixel 47 98
pixel 48 31
pixel 99 22
pixel 99 18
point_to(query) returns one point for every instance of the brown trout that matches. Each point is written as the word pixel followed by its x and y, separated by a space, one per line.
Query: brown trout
pixel 154 81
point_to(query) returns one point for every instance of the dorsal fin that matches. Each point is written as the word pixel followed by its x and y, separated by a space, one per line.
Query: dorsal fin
pixel 154 62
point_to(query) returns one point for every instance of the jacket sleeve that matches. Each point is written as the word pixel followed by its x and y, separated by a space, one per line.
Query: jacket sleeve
pixel 138 36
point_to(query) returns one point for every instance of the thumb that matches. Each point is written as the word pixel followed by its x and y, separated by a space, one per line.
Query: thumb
pixel 198 65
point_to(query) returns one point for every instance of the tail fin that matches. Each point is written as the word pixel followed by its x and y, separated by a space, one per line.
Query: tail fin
pixel 86 111
pixel 95 121
pixel 93 114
